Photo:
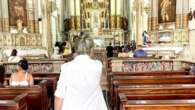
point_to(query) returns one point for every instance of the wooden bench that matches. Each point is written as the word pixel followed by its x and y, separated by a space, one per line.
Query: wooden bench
pixel 111 75
pixel 179 79
pixel 181 104
pixel 17 103
pixel 51 84
pixel 144 92
pixel 129 80
pixel 37 95
pixel 51 78
pixel 146 80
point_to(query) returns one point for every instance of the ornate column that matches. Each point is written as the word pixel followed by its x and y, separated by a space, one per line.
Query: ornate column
pixel 179 8
pixel 0 16
pixel 36 17
pixel 77 14
pixel 119 6
pixel 40 16
pixel 185 14
pixel 47 36
pixel 5 16
pixel 30 14
pixel 149 13
pixel 154 17
pixel 72 14
pixel 138 21
pixel 113 13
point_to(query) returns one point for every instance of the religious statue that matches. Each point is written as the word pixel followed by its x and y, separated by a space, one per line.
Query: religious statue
pixel 165 5
pixel 19 25
pixel 19 10
pixel 146 39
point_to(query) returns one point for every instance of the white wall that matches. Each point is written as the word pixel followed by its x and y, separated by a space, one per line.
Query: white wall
pixel 192 31
pixel 192 44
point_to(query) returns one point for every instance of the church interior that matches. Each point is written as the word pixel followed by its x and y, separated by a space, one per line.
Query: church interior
pixel 146 48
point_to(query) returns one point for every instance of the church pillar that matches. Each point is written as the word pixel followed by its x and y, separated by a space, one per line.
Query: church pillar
pixel 72 14
pixel 31 21
pixel 138 21
pixel 0 16
pixel 113 13
pixel 47 36
pixel 5 16
pixel 77 14
pixel 179 7
pixel 129 17
pixel 154 17
pixel 36 12
pixel 185 14
pixel 149 12
pixel 119 7
pixel 40 16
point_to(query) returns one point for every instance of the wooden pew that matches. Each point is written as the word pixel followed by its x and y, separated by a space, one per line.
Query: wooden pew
pixel 129 80
pixel 37 95
pixel 181 104
pixel 17 103
pixel 146 80
pixel 51 78
pixel 160 92
pixel 179 79
pixel 111 75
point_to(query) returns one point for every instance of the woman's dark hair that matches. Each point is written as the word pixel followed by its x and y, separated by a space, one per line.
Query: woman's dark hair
pixel 2 74
pixel 23 64
pixel 14 52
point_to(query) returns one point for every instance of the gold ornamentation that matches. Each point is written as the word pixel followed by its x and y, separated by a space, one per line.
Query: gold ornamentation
pixel 149 24
pixel 72 23
pixel 1 30
pixel 118 22
pixel 154 23
pixel 36 26
pixel 77 22
pixel 177 23
pixel 113 21
pixel 20 39
pixel 185 21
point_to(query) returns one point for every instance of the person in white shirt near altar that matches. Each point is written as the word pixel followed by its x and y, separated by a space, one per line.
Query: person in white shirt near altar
pixel 13 57
pixel 79 87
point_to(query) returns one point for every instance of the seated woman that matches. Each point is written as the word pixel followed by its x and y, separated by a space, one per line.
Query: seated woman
pixel 13 57
pixel 21 77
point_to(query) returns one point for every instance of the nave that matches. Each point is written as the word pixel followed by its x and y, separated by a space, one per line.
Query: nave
pixel 168 85
pixel 145 49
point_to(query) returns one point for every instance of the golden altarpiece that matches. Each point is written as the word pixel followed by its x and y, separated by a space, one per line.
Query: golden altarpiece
pixel 167 25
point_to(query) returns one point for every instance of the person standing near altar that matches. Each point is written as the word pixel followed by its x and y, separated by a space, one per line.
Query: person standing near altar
pixel 13 57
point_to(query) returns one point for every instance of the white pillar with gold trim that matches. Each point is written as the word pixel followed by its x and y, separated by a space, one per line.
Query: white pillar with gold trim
pixel 113 13
pixel 77 14
pixel 185 14
pixel 72 14
pixel 5 16
pixel 46 36
pixel 179 9
pixel 1 16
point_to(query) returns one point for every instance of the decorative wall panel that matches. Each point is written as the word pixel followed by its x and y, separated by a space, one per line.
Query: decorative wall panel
pixel 20 39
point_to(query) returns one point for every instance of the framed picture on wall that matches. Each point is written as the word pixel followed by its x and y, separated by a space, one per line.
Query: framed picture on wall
pixel 166 11
pixel 17 12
